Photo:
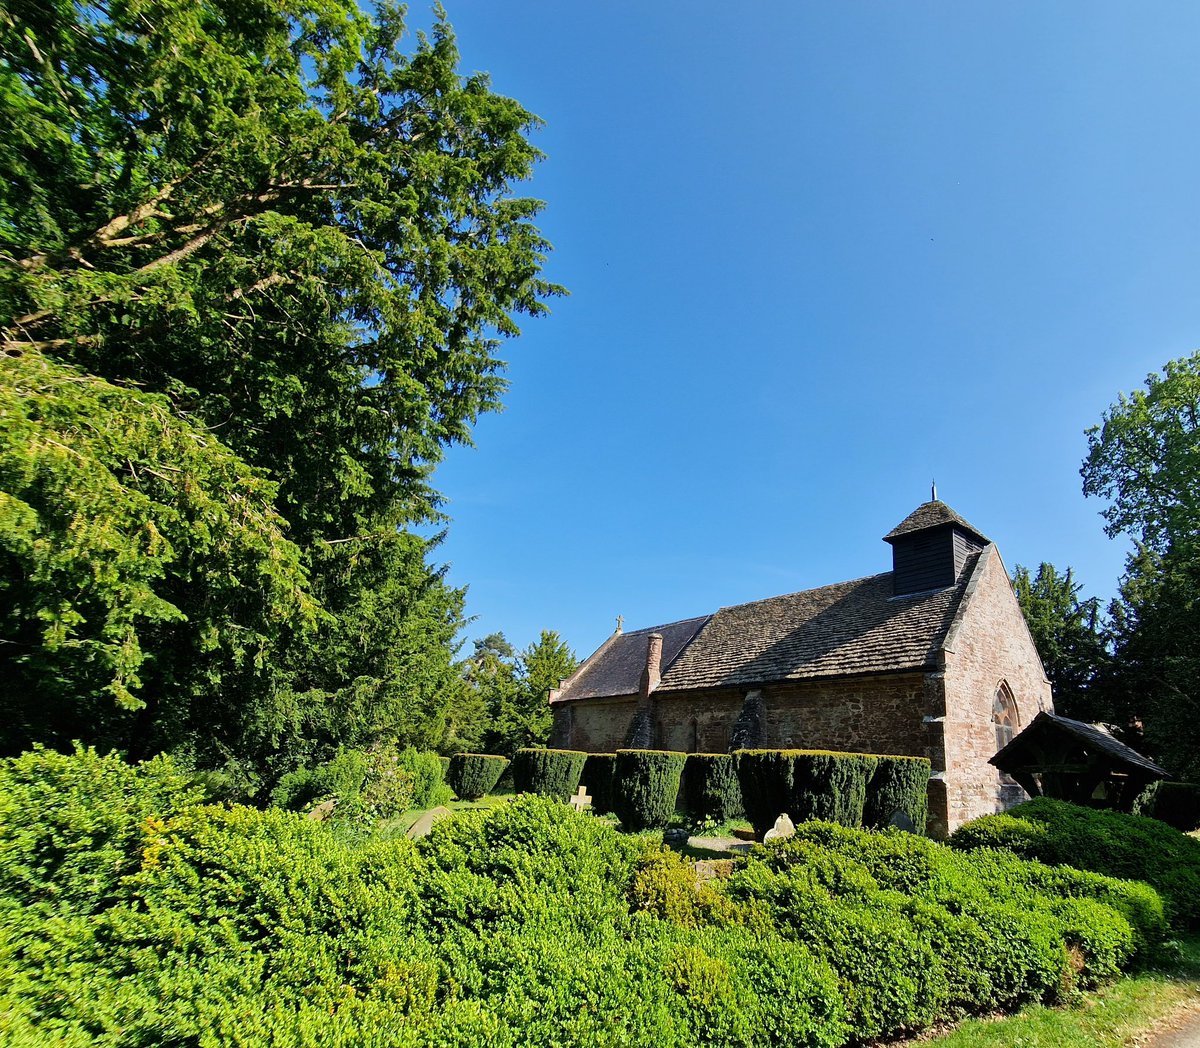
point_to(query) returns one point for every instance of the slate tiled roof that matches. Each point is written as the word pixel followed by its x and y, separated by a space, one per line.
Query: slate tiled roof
pixel 930 515
pixel 616 667
pixel 1094 737
pixel 848 628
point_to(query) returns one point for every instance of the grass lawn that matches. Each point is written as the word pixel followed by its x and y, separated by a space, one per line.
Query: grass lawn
pixel 401 823
pixel 1118 1015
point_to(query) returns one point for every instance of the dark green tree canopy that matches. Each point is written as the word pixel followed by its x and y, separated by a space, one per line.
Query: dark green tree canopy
pixel 1070 637
pixel 268 209
pixel 293 246
pixel 1145 459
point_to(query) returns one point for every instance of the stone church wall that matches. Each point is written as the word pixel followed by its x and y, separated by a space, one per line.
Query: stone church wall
pixel 989 645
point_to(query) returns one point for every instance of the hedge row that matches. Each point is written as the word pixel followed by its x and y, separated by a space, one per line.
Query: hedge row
pixel 145 917
pixel 598 772
pixel 645 787
pixel 551 773
pixel 474 775
pixel 709 788
pixel 846 788
pixel 1107 842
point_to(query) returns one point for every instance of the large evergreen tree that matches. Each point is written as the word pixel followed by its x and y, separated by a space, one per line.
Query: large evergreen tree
pixel 306 239
pixel 1070 636
pixel 1145 459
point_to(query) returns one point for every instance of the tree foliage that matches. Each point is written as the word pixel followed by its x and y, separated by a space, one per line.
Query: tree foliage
pixel 306 239
pixel 1070 636
pixel 1145 459
pixel 139 558
pixel 515 688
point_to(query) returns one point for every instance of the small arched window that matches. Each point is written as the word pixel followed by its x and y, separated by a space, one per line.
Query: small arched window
pixel 1004 716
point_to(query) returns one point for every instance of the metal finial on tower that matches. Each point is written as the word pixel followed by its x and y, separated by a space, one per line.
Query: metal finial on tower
pixel 933 496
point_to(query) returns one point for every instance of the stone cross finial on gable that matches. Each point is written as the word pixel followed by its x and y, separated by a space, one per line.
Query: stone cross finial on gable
pixel 620 623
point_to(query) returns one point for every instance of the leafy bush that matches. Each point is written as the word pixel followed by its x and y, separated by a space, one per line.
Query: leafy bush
pixel 551 773
pixel 474 775
pixel 1175 803
pixel 710 787
pixel 131 914
pixel 645 786
pixel 806 784
pixel 428 775
pixel 365 784
pixel 1132 847
pixel 900 784
pixel 598 771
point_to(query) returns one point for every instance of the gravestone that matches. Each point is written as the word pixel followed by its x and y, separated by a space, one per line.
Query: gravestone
pixel 581 800
pixel 781 831
pixel 322 811
pixel 901 821
pixel 424 824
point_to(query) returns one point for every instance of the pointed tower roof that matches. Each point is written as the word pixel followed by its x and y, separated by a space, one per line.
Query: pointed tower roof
pixel 929 515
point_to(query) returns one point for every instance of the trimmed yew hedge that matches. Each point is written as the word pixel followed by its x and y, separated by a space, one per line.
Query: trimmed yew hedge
pixel 474 775
pixel 710 788
pixel 806 784
pixel 645 787
pixel 597 777
pixel 551 773
pixel 899 784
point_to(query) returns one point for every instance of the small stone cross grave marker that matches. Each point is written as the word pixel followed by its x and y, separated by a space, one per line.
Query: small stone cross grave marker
pixel 581 800
pixel 781 831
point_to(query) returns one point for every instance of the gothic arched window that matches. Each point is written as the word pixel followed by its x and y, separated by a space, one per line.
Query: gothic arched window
pixel 1004 716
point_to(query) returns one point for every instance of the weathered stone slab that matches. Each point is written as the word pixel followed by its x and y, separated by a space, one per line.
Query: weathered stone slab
pixel 425 823
pixel 781 831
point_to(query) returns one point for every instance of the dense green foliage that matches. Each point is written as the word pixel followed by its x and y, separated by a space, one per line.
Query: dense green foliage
pixel 806 784
pixel 645 787
pixel 1175 803
pixel 429 777
pixel 362 786
pixel 1144 460
pixel 1107 842
pixel 597 776
pixel 899 784
pixel 138 556
pixel 511 689
pixel 551 773
pixel 1071 638
pixel 474 775
pixel 265 221
pixel 709 788
pixel 130 914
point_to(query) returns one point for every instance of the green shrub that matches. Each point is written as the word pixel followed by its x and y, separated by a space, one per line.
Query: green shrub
pixel 710 787
pixel 551 773
pixel 1175 803
pixel 597 777
pixel 428 775
pixel 645 786
pixel 806 784
pixel 1130 847
pixel 899 784
pixel 474 775
pixel 365 784
pixel 530 863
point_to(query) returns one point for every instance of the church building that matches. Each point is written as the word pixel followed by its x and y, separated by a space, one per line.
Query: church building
pixel 931 659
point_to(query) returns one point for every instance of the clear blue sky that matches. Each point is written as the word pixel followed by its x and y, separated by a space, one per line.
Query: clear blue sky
pixel 819 253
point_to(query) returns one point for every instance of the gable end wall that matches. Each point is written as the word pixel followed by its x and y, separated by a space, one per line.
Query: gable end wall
pixel 990 644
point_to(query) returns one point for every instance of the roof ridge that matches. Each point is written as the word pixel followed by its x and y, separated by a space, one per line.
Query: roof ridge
pixel 799 593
